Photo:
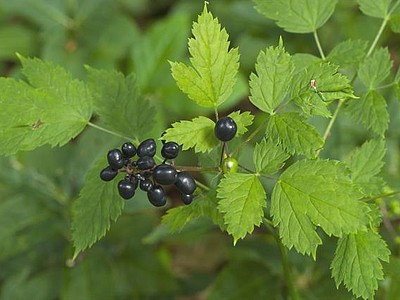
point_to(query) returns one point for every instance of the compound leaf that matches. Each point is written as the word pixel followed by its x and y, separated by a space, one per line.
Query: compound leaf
pixel 375 68
pixel 210 79
pixel 373 8
pixel 313 193
pixel 297 16
pixel 119 104
pixel 197 133
pixel 269 157
pixel 269 86
pixel 242 199
pixel 294 134
pixel 97 205
pixel 242 120
pixel 52 109
pixel 370 111
pixel 357 262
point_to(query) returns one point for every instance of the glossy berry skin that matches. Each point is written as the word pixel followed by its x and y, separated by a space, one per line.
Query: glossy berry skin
pixel 165 174
pixel 128 150
pixel 147 148
pixel 230 165
pixel 108 174
pixel 225 129
pixel 145 163
pixel 146 185
pixel 170 150
pixel 115 159
pixel 156 196
pixel 187 198
pixel 185 183
pixel 126 189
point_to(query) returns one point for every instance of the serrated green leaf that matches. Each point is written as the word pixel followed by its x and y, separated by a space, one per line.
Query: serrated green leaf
pixel 370 111
pixel 242 199
pixel 350 52
pixel 374 8
pixel 203 206
pixel 97 205
pixel 366 163
pixel 375 68
pixel 269 157
pixel 304 60
pixel 269 86
pixel 118 103
pixel 242 120
pixel 197 133
pixel 313 193
pixel 297 16
pixel 294 134
pixel 53 109
pixel 357 262
pixel 329 83
pixel 210 79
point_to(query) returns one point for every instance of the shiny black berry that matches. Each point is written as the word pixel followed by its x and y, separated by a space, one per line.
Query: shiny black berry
pixel 128 150
pixel 170 150
pixel 108 174
pixel 147 148
pixel 156 196
pixel 145 163
pixel 126 189
pixel 225 129
pixel 185 183
pixel 165 174
pixel 187 198
pixel 115 159
pixel 146 185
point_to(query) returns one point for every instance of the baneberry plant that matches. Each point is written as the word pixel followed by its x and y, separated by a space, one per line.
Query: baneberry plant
pixel 268 169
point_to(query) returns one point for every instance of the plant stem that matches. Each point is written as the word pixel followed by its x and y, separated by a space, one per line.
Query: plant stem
pixel 382 28
pixel 198 169
pixel 331 122
pixel 383 195
pixel 316 38
pixel 287 268
pixel 113 133
pixel 251 136
pixel 202 186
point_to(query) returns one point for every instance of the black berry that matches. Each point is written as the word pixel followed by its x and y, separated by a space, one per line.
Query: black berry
pixel 128 150
pixel 165 174
pixel 156 196
pixel 225 129
pixel 147 148
pixel 115 159
pixel 187 198
pixel 146 185
pixel 108 174
pixel 185 183
pixel 145 163
pixel 126 189
pixel 170 150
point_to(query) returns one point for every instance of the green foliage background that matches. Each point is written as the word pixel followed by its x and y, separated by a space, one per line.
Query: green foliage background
pixel 139 258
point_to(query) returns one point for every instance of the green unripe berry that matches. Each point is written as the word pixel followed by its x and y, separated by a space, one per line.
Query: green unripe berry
pixel 230 165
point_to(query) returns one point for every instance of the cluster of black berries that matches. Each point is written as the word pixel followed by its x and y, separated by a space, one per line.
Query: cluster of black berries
pixel 144 172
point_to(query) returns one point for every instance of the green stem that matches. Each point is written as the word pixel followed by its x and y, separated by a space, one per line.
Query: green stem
pixel 383 196
pixel 198 169
pixel 251 136
pixel 316 38
pixel 113 133
pixel 331 122
pixel 382 28
pixel 202 186
pixel 287 268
